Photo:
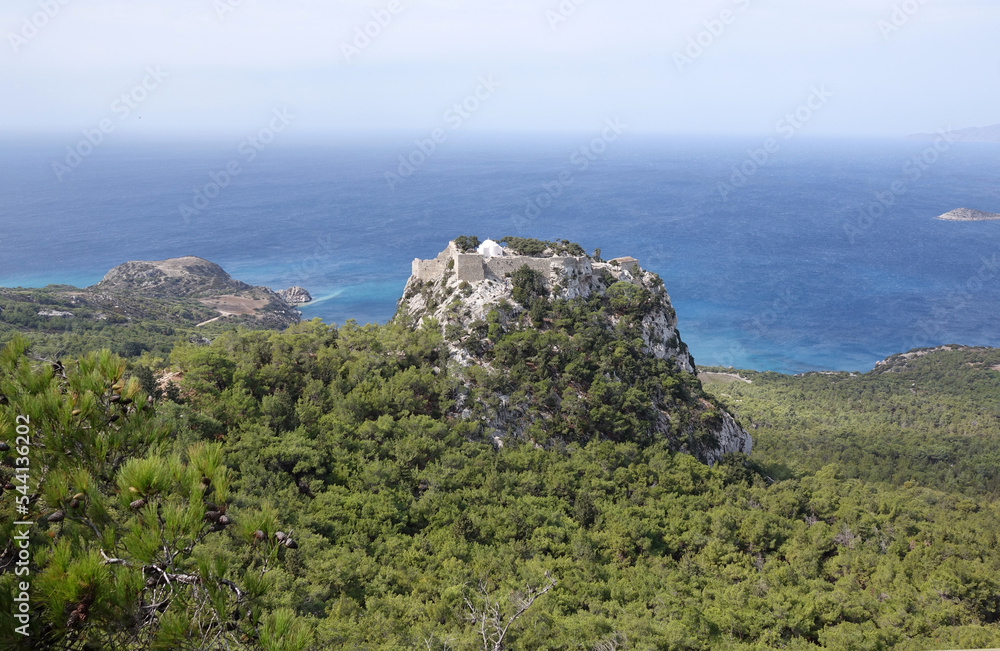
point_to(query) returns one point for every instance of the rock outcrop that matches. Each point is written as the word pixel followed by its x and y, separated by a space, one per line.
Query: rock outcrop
pixel 969 215
pixel 295 295
pixel 460 292
pixel 480 282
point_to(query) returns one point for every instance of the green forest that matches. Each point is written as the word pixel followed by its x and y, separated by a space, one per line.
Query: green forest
pixel 318 488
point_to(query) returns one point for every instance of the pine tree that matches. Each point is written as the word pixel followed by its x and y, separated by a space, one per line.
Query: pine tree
pixel 122 525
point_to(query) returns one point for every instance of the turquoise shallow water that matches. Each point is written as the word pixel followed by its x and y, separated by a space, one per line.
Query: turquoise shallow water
pixel 814 263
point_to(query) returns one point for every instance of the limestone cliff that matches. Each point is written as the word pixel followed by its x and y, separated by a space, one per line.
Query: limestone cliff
pixel 480 301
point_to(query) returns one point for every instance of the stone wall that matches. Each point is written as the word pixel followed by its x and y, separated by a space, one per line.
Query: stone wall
pixel 426 270
pixel 472 267
pixel 469 267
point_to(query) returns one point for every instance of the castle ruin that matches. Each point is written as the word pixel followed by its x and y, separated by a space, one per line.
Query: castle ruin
pixel 474 267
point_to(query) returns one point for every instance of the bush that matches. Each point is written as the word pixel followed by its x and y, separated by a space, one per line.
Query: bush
pixel 528 285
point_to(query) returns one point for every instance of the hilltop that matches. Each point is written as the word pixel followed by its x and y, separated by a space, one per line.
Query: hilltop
pixel 598 341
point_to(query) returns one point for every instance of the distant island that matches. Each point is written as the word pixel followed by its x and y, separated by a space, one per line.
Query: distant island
pixel 969 134
pixel 969 215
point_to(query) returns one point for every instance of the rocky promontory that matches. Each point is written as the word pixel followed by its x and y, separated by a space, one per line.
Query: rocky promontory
pixel 295 296
pixel 186 292
pixel 969 215
pixel 495 305
pixel 171 278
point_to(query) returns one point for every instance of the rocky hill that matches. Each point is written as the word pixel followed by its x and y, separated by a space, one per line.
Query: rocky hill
pixel 172 278
pixel 578 328
pixel 140 301
pixel 191 277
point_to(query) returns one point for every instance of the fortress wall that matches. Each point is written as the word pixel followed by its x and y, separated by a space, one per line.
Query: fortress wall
pixel 500 267
pixel 568 266
pixel 426 270
pixel 472 267
pixel 469 267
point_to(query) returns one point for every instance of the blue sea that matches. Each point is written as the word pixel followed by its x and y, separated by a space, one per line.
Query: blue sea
pixel 825 256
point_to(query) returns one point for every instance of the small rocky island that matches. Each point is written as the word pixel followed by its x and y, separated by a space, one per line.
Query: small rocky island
pixel 969 215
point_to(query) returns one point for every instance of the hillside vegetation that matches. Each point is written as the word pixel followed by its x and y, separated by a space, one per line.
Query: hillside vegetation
pixel 413 530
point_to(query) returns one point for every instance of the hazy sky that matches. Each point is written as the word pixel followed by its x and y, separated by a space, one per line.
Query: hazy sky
pixel 884 67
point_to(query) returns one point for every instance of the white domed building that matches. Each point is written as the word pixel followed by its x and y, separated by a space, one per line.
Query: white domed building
pixel 490 249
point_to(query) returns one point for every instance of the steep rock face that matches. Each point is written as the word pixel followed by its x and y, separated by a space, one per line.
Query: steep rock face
pixel 472 299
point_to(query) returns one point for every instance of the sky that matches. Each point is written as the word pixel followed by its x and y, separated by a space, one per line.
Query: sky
pixel 190 68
